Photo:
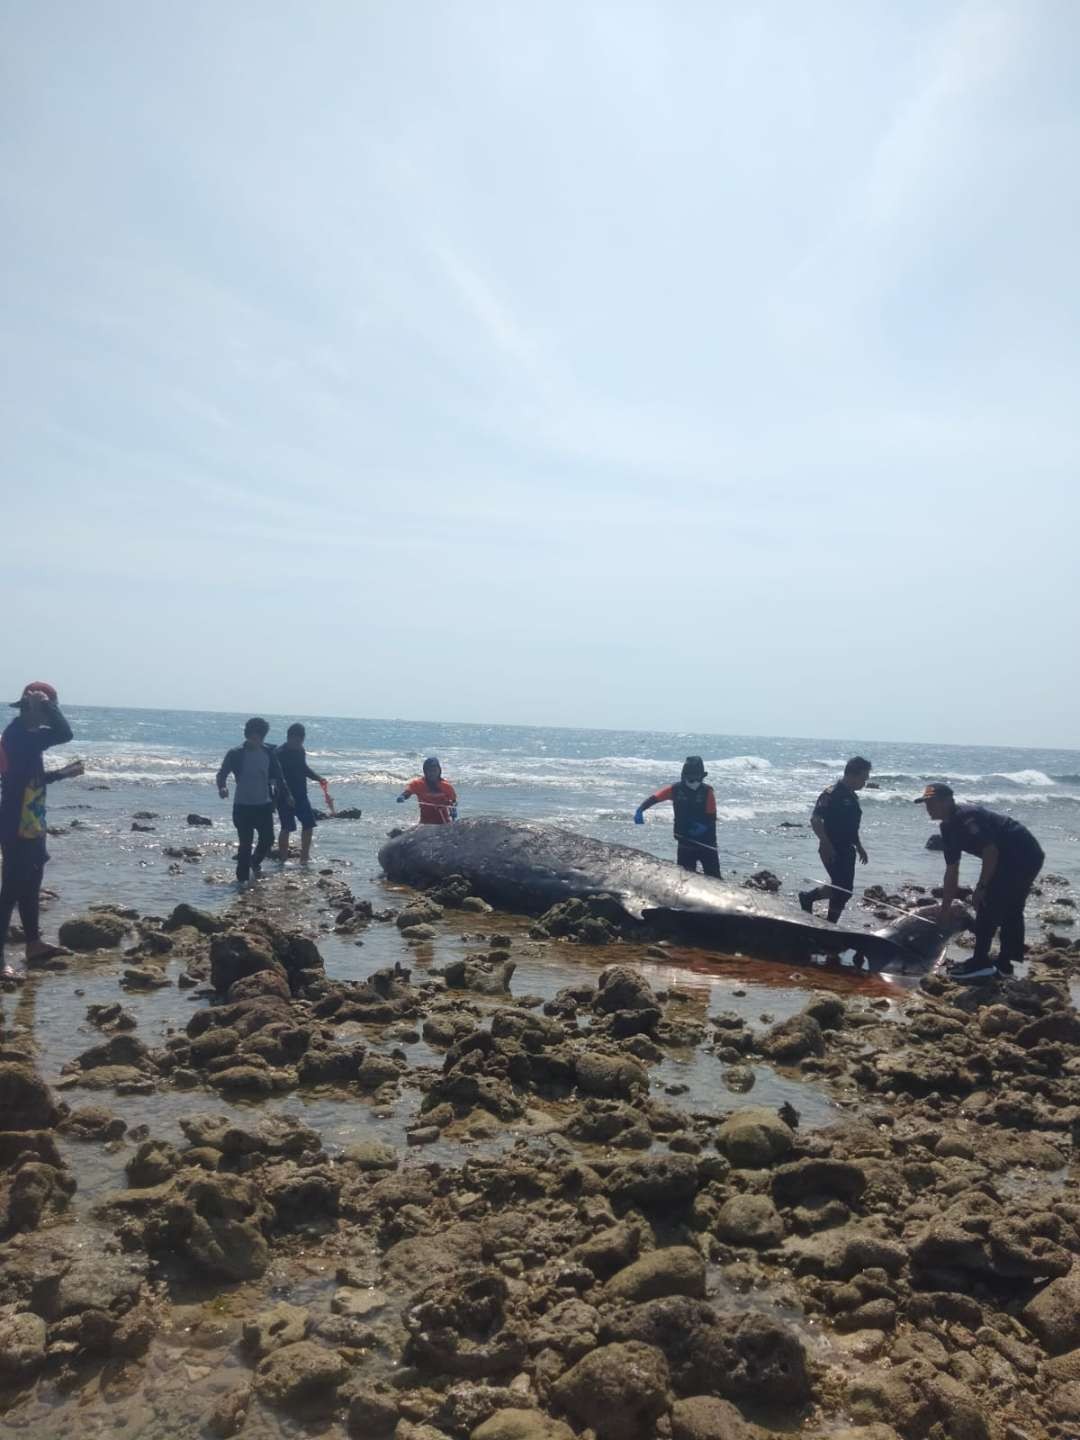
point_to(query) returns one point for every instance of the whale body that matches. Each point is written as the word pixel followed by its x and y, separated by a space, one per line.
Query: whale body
pixel 527 867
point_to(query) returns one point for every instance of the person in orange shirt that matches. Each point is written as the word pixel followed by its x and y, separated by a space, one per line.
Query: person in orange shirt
pixel 437 797
pixel 694 804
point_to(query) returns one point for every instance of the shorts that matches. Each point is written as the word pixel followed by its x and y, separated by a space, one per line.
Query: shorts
pixel 302 813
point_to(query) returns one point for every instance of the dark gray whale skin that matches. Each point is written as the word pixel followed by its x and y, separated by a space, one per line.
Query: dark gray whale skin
pixel 526 867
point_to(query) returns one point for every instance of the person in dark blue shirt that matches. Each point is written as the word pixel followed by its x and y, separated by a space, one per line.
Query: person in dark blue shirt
pixel 1011 860
pixel 835 821
pixel 292 757
pixel 38 726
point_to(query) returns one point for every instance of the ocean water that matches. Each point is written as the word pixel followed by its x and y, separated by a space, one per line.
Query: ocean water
pixel 588 780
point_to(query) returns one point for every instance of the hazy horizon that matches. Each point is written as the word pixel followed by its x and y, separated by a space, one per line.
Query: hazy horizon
pixel 631 366
pixel 309 716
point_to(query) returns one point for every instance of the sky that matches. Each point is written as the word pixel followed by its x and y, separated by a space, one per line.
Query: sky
pixel 689 366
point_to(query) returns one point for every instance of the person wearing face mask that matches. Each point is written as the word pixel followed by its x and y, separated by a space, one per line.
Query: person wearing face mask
pixel 835 821
pixel 694 804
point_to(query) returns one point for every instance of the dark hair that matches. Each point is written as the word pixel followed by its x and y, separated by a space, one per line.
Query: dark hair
pixel 256 726
pixel 858 765
pixel 296 729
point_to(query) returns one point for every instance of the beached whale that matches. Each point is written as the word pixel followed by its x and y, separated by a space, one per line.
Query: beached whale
pixel 526 867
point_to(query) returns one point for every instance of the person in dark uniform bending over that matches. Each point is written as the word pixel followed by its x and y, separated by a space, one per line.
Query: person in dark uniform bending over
pixel 1011 860
pixel 694 804
pixel 835 821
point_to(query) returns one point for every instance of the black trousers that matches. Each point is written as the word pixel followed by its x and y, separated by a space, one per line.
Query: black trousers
pixel 1003 909
pixel 248 820
pixel 841 871
pixel 690 855
pixel 24 868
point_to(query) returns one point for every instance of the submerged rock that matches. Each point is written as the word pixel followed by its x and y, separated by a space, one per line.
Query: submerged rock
pixel 99 931
pixel 300 1377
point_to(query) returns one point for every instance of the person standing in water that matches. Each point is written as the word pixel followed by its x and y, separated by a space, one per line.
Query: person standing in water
pixel 292 757
pixel 694 804
pixel 259 781
pixel 437 797
pixel 835 821
pixel 1011 861
pixel 38 726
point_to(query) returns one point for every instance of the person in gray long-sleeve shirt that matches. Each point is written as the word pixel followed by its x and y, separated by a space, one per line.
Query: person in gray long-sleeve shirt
pixel 259 782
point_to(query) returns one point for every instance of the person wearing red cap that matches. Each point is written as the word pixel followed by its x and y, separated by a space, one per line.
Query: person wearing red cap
pixel 38 726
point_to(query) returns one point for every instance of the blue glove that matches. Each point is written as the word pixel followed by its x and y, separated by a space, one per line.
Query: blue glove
pixel 401 799
pixel 639 818
pixel 453 812
pixel 698 829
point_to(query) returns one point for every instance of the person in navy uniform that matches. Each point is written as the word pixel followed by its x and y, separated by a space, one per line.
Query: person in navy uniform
pixel 694 804
pixel 1011 860
pixel 835 821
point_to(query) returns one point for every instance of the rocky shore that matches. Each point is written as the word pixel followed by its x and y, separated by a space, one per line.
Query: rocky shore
pixel 556 1242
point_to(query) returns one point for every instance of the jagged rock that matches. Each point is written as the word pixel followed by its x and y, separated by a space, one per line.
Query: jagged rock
pixel 619 1390
pixel 764 880
pixel 421 932
pixel 154 1162
pixel 83 1293
pixel 418 912
pixel 578 920
pixel 755 1138
pixel 706 1417
pixel 121 1049
pixel 1054 1314
pixel 29 1193
pixel 26 1102
pixel 371 1412
pixel 377 1070
pixel 460 1327
pixel 793 1039
pixel 218 1223
pixel 609 1075
pixel 750 1220
pixel 228 1413
pixel 621 988
pixel 737 1356
pixel 235 954
pixel 839 1254
pixel 184 914
pixel 270 1330
pixel 22 1346
pixel 449 892
pixel 676 1270
pixel 792 1184
pixel 99 931
pixel 655 1182
pixel 367 1155
pixel 447 1029
pixel 267 1135
pixel 110 1017
pixel 264 984
pixel 609 1250
pixel 483 977
pixel 300 1376
pixel 93 1122
pixel 204 820
pixel 511 1424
